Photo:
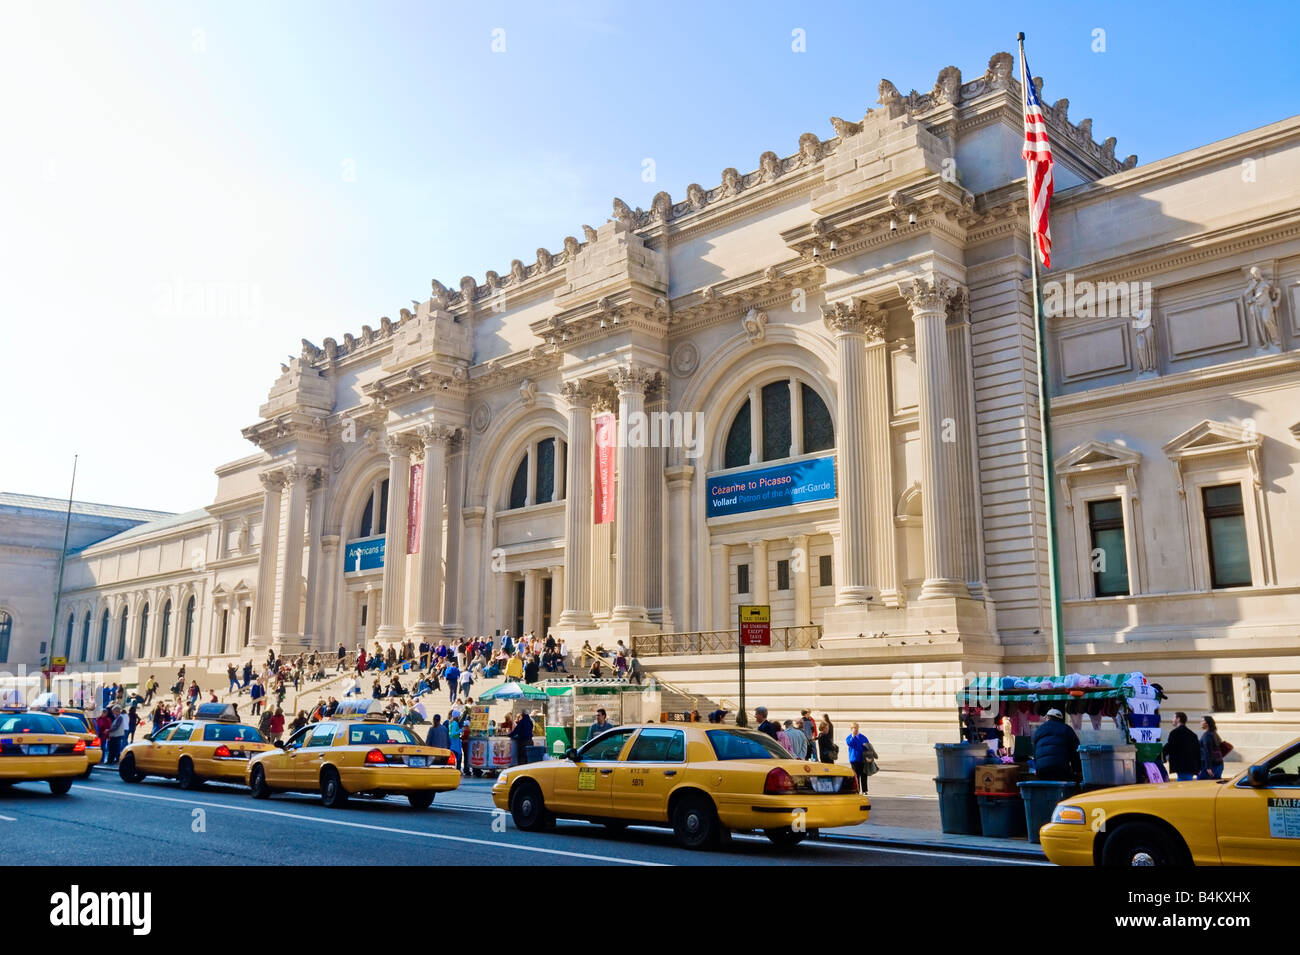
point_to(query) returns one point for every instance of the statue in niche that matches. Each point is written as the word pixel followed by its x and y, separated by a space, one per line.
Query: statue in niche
pixel 241 536
pixel 1263 299
pixel 1145 350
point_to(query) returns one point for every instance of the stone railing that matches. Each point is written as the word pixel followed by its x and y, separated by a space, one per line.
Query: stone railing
pixel 722 641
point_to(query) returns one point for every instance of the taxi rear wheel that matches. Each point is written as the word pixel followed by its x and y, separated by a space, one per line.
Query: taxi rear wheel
pixel 527 807
pixel 60 787
pixel 185 776
pixel 126 769
pixel 420 800
pixel 1141 844
pixel 785 838
pixel 257 784
pixel 332 793
pixel 695 823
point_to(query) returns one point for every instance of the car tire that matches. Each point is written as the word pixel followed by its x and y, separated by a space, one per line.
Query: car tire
pixel 785 838
pixel 257 784
pixel 126 769
pixel 90 771
pixel 60 787
pixel 527 807
pixel 332 793
pixel 185 776
pixel 420 800
pixel 695 823
pixel 1142 844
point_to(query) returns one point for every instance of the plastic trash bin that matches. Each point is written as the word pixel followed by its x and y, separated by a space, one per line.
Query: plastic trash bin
pixel 1040 799
pixel 959 813
pixel 1105 764
pixel 534 754
pixel 1002 814
pixel 958 760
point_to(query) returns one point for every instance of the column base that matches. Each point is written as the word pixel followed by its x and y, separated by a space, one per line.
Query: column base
pixel 576 620
pixel 943 588
pixel 935 621
pixel 623 614
pixel 389 633
pixel 427 631
pixel 857 595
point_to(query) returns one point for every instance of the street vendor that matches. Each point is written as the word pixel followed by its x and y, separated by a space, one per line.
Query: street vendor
pixel 1056 749
pixel 521 737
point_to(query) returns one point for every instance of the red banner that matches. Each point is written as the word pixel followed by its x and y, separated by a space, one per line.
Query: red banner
pixel 606 454
pixel 413 509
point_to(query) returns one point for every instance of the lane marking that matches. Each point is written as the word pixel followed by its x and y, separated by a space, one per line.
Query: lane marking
pixel 361 825
pixel 8 818
pixel 905 852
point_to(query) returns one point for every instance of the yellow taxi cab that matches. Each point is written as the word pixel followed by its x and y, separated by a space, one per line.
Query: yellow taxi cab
pixel 355 751
pixel 79 724
pixel 213 745
pixel 703 780
pixel 1251 819
pixel 34 747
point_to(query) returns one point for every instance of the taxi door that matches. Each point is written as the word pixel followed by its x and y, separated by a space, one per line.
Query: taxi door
pixel 644 777
pixel 585 787
pixel 1260 825
pixel 175 746
pixel 278 767
pixel 306 762
pixel 146 753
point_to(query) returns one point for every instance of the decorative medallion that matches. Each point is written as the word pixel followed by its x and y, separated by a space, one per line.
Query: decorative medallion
pixel 482 417
pixel 684 359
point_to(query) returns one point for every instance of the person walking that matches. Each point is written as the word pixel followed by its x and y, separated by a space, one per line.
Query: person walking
pixel 453 736
pixel 1211 750
pixel 132 720
pixel 1182 750
pixel 862 756
pixel 452 675
pixel 826 748
pixel 464 744
pixel 248 674
pixel 116 733
pixel 233 677
pixel 257 693
pixel 277 725
pixel 149 689
pixel 809 726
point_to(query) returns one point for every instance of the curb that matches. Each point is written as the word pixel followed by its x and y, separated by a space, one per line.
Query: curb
pixel 1034 855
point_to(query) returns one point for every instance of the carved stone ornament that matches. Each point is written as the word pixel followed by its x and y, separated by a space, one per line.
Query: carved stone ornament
pixel 431 434
pixel 397 445
pixel 570 247
pixel 440 296
pixel 336 460
pixel 577 393
pixel 528 392
pixel 1144 336
pixel 769 165
pixel 661 207
pixel 810 149
pixel 844 129
pixel 623 213
pixel 683 361
pixel 468 289
pixel 517 271
pixel 544 260
pixel 272 481
pixel 1263 299
pixel 947 88
pixel 861 318
pixel 754 323
pixel 241 537
pixel 481 417
pixel 732 182
pixel 589 233
pixel 924 295
pixel 696 196
pixel 631 379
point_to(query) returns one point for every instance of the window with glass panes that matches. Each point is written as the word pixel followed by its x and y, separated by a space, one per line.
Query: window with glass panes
pixel 782 575
pixel 824 576
pixel 776 426
pixel 1225 534
pixel 1108 559
pixel 1222 699
pixel 742 579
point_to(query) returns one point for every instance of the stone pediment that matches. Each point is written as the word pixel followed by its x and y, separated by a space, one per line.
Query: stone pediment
pixel 1097 456
pixel 1212 437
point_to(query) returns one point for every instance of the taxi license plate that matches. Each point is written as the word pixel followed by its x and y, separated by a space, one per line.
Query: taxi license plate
pixel 825 784
pixel 418 761
pixel 37 749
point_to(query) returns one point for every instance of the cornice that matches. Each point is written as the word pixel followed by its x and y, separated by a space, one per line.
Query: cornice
pixel 510 369
pixel 733 297
pixel 423 378
pixel 286 427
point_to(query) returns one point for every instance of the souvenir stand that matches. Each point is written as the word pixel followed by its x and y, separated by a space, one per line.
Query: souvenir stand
pixel 571 708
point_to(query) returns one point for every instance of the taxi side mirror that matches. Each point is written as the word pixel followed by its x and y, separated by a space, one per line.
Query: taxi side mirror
pixel 281 744
pixel 571 754
pixel 1257 775
pixel 148 737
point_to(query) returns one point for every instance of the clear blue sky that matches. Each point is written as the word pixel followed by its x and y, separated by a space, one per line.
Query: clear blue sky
pixel 191 188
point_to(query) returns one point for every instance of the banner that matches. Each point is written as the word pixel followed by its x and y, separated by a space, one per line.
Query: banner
pixel 365 554
pixel 779 486
pixel 606 455
pixel 413 509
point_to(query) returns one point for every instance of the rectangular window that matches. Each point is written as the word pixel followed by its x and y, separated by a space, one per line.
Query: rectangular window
pixel 225 627
pixel 1108 559
pixel 824 571
pixel 776 420
pixel 545 482
pixel 1225 531
pixel 742 579
pixel 1221 696
pixel 1259 696
pixel 248 625
pixel 782 575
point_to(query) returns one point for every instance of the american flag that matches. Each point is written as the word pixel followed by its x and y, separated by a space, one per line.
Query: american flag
pixel 1038 165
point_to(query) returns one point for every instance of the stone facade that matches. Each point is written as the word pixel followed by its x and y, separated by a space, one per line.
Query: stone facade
pixel 872 289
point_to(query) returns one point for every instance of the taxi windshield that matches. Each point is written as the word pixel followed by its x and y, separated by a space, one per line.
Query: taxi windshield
pixel 232 733
pixel 30 723
pixel 377 734
pixel 73 724
pixel 745 744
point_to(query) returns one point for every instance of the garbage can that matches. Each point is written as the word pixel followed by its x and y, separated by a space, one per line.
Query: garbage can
pixel 1002 814
pixel 1040 799
pixel 1105 764
pixel 959 813
pixel 534 754
pixel 958 760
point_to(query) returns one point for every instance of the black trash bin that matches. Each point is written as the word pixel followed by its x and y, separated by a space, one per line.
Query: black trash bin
pixel 1040 799
pixel 1002 814
pixel 959 813
pixel 534 754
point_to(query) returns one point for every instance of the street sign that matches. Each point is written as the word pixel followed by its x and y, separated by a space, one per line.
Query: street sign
pixel 58 664
pixel 755 625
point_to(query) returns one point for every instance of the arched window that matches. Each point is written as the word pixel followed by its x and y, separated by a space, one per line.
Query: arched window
pixel 374 519
pixel 783 430
pixel 542 472
pixel 121 637
pixel 144 631
pixel 189 628
pixel 85 637
pixel 103 635
pixel 67 643
pixel 6 631
pixel 166 628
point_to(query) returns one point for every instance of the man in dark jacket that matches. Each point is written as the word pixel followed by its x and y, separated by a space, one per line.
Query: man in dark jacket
pixel 438 735
pixel 1056 749
pixel 521 737
pixel 1183 750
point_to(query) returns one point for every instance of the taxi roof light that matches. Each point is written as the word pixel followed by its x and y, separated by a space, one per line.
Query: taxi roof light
pixel 220 712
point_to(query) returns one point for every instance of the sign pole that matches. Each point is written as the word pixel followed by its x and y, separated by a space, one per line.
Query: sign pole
pixel 741 718
pixel 58 593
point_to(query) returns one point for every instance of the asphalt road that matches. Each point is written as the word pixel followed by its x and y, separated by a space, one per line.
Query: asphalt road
pixel 105 821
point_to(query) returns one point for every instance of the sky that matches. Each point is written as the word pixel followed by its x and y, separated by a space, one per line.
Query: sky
pixel 190 189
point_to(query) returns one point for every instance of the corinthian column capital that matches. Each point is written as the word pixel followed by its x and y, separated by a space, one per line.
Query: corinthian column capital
pixel 397 445
pixel 855 318
pixel 431 434
pixel 272 481
pixel 578 394
pixel 926 295
pixel 631 379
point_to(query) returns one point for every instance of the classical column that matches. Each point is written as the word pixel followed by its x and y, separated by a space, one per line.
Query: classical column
pixel 967 476
pixel 943 575
pixel 882 553
pixel 758 584
pixel 428 588
pixel 452 622
pixel 331 573
pixel 557 593
pixel 532 599
pixel 853 325
pixel 652 544
pixel 578 513
pixel 473 571
pixel 678 479
pixel 392 626
pixel 296 481
pixel 720 579
pixel 316 563
pixel 801 569
pixel 796 417
pixel 630 503
pixel 267 560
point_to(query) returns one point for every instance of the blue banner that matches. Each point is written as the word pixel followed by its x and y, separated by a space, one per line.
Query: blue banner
pixel 365 554
pixel 778 486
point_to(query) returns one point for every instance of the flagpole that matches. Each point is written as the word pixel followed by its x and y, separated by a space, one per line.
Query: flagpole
pixel 58 593
pixel 1044 419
